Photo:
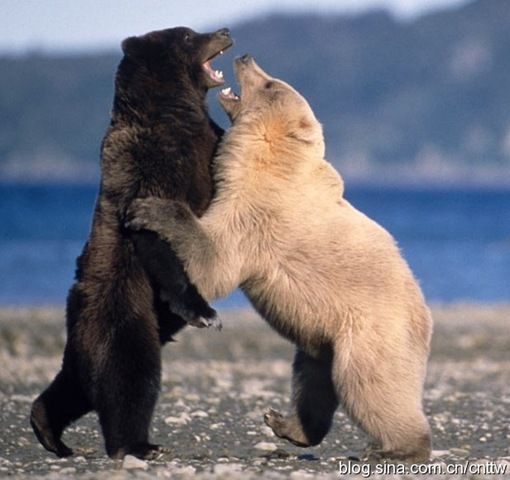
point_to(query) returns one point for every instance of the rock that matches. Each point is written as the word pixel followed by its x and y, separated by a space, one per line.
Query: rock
pixel 300 475
pixel 216 426
pixel 199 414
pixel 68 471
pixel 461 452
pixel 439 453
pixel 267 431
pixel 131 463
pixel 192 397
pixel 182 419
pixel 227 468
pixel 183 471
pixel 266 446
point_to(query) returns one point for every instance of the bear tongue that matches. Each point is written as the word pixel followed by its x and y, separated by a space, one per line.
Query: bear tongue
pixel 216 75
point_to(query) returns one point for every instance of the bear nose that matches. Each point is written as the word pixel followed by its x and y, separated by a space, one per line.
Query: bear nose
pixel 246 58
pixel 224 32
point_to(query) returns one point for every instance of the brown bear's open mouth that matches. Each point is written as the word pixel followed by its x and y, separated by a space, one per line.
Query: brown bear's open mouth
pixel 215 75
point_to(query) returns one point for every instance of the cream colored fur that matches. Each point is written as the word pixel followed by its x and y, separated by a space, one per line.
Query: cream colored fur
pixel 322 273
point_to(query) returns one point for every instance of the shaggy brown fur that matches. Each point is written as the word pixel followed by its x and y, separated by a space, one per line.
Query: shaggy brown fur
pixel 320 272
pixel 131 293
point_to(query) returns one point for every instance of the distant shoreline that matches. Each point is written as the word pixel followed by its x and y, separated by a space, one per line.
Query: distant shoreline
pixel 457 305
pixel 455 238
pixel 358 182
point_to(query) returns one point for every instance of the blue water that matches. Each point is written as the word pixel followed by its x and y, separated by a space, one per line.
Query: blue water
pixel 456 241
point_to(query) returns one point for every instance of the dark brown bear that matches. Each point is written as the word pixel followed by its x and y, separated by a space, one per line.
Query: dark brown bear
pixel 131 294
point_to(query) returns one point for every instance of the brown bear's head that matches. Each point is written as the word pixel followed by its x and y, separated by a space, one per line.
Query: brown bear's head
pixel 271 108
pixel 177 56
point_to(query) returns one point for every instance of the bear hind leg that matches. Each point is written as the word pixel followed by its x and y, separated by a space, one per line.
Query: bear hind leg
pixel 59 405
pixel 127 390
pixel 314 403
pixel 386 404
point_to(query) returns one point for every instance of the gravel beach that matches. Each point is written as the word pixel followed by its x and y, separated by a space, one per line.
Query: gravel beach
pixel 217 385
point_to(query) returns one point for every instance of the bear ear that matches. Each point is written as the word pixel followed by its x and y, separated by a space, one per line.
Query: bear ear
pixel 132 46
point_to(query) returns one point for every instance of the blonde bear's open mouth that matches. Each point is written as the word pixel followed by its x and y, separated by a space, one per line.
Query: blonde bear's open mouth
pixel 229 94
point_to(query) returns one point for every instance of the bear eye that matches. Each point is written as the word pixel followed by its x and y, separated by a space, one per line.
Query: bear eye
pixel 187 37
pixel 269 85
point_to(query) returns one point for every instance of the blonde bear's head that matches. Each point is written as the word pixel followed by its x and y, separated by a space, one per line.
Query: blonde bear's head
pixel 272 116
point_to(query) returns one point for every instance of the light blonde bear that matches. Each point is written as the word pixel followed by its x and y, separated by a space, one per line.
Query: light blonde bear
pixel 322 274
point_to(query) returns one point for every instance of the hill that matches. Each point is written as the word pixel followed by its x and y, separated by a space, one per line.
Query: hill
pixel 426 100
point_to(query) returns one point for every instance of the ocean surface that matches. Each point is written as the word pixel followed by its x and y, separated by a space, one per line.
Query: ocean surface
pixel 457 241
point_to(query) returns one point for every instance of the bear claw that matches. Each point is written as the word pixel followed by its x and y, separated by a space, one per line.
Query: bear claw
pixel 202 322
pixel 274 419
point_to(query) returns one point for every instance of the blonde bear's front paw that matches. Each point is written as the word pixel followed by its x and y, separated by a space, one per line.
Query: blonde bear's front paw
pixel 153 213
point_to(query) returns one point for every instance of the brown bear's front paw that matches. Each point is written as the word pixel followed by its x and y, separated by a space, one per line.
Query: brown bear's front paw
pixel 202 322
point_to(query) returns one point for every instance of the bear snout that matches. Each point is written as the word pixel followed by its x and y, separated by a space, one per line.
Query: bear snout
pixel 245 58
pixel 223 32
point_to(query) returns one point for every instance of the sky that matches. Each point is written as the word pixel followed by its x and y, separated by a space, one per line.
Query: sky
pixel 67 25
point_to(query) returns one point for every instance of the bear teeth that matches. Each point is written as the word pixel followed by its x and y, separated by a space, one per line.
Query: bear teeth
pixel 219 73
pixel 228 93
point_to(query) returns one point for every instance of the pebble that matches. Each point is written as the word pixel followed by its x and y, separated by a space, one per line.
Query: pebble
pixel 130 463
pixel 183 471
pixel 227 468
pixel 461 452
pixel 266 446
pixel 300 474
pixel 68 470
pixel 182 419
pixel 199 414
pixel 439 453
pixel 268 431
pixel 193 397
